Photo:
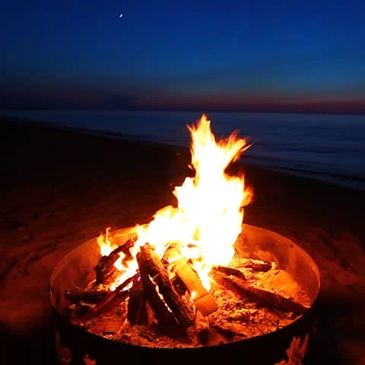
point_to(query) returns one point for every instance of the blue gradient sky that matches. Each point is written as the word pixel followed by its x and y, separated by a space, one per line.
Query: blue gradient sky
pixel 229 55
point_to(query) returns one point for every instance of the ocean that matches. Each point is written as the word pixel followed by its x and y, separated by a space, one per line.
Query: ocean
pixel 325 147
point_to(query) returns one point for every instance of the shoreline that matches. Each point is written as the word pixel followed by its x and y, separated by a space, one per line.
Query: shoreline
pixel 350 182
pixel 60 188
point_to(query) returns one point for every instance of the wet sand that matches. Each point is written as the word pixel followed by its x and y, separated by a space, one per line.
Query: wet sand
pixel 59 188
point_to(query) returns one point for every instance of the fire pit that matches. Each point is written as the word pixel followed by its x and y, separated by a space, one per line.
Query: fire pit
pixel 192 285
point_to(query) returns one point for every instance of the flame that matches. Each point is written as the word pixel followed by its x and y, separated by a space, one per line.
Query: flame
pixel 105 245
pixel 127 270
pixel 209 213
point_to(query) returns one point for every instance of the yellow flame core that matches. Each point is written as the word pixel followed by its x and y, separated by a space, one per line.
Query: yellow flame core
pixel 208 217
pixel 105 245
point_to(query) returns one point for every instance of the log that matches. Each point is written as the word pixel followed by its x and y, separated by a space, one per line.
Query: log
pixel 165 318
pixel 243 289
pixel 178 284
pixel 76 295
pixel 150 267
pixel 111 299
pixel 256 265
pixel 230 271
pixel 105 270
pixel 137 311
pixel 202 299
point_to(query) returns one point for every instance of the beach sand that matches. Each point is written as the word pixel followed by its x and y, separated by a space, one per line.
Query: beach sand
pixel 60 188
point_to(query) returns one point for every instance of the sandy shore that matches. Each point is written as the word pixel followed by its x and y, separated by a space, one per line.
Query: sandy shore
pixel 59 188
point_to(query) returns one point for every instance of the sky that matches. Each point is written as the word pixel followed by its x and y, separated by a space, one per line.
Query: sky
pixel 187 55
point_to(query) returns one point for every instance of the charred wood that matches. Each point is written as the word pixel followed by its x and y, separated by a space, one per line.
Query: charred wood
pixel 137 311
pixel 230 271
pixel 105 270
pixel 257 265
pixel 76 295
pixel 153 272
pixel 111 299
pixel 243 289
pixel 165 318
pixel 179 285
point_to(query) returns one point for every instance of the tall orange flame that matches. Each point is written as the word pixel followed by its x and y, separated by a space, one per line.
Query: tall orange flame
pixel 208 217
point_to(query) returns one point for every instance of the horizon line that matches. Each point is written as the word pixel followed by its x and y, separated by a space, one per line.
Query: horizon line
pixel 266 110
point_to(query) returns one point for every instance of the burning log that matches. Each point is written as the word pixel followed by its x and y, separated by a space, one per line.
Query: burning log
pixel 76 295
pixel 178 284
pixel 137 312
pixel 257 265
pixel 162 313
pixel 230 271
pixel 153 272
pixel 111 299
pixel 262 297
pixel 203 300
pixel 105 269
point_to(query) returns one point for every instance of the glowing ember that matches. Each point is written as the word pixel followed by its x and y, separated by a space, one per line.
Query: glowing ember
pixel 208 218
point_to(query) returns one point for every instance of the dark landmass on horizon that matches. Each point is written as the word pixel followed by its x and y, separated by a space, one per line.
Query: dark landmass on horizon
pixel 355 108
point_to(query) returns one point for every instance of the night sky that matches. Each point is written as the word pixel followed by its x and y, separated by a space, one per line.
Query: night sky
pixel 204 55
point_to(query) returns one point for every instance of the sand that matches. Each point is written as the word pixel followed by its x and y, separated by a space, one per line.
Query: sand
pixel 59 188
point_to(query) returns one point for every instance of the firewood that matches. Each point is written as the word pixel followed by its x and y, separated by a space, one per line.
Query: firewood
pixel 230 271
pixel 165 318
pixel 202 299
pixel 256 265
pixel 243 289
pixel 178 284
pixel 76 295
pixel 151 268
pixel 111 299
pixel 137 311
pixel 105 270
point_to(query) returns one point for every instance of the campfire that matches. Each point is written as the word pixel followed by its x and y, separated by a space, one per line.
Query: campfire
pixel 192 277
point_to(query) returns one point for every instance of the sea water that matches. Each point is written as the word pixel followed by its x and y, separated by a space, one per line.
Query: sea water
pixel 325 147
